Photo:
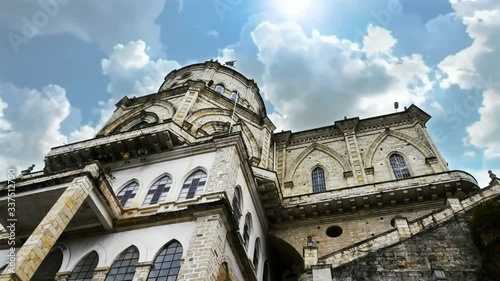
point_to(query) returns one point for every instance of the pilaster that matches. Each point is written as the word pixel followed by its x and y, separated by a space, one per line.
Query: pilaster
pixel 206 250
pixel 100 273
pixel 224 171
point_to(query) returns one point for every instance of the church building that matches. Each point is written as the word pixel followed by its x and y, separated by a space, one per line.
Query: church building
pixel 193 183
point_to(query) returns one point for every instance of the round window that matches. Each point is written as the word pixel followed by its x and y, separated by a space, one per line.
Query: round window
pixel 334 231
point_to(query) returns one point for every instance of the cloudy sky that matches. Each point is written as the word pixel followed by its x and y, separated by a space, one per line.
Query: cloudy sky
pixel 65 63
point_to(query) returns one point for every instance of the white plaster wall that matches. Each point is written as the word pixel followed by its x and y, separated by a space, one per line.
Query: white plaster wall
pixel 257 229
pixel 147 174
pixel 149 241
pixel 231 262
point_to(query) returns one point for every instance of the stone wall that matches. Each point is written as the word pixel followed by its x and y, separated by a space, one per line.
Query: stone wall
pixel 352 157
pixel 447 247
pixel 354 229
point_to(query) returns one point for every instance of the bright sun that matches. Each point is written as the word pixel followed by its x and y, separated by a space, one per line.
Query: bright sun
pixel 293 8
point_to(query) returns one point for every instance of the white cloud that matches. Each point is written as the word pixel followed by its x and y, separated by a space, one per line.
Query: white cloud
pixel 30 119
pixel 436 108
pixel 470 154
pixel 103 22
pixel 315 80
pixel 132 72
pixel 378 40
pixel 213 33
pixel 4 124
pixel 474 68
pixel 35 124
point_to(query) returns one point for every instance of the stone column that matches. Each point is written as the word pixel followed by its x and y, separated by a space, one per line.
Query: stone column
pixel 142 271
pixel 38 245
pixel 206 250
pixel 310 254
pixel 403 229
pixel 100 273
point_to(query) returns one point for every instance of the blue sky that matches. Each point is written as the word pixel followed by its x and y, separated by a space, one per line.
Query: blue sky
pixel 65 63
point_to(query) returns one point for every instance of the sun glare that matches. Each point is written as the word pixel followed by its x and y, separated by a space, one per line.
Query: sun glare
pixel 293 8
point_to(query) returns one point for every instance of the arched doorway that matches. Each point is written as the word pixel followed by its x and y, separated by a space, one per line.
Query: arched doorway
pixel 286 263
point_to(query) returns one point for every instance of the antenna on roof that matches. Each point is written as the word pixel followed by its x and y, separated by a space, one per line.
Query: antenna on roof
pixel 396 106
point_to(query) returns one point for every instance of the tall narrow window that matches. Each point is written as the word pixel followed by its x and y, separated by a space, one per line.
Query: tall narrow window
pixel 265 275
pixel 84 270
pixel 49 267
pixel 123 268
pixel 219 89
pixel 318 180
pixel 127 194
pixel 247 229
pixel 234 96
pixel 256 254
pixel 399 166
pixel 158 191
pixel 193 186
pixel 167 264
pixel 237 204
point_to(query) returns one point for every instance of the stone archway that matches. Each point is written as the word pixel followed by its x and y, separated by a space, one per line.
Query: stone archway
pixel 285 262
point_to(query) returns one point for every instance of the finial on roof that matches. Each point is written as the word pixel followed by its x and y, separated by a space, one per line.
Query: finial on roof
pixel 492 176
pixel 230 63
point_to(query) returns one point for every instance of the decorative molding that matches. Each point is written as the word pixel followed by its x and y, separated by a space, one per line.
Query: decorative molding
pixel 320 147
pixel 426 151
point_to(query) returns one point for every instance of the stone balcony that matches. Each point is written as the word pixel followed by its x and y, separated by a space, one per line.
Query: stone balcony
pixel 116 148
pixel 374 196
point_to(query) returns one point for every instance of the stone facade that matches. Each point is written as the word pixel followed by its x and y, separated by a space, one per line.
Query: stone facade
pixel 369 223
pixel 355 152
pixel 206 252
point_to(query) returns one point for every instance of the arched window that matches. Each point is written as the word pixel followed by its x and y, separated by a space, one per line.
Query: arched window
pixel 158 191
pixel 234 96
pixel 256 254
pixel 139 125
pixel 318 180
pixel 123 268
pixel 49 267
pixel 237 204
pixel 265 275
pixel 193 186
pixel 247 229
pixel 399 166
pixel 84 270
pixel 219 89
pixel 127 194
pixel 168 262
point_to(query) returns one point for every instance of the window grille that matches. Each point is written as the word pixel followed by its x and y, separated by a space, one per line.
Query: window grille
pixel 158 191
pixel 318 180
pixel 399 166
pixel 193 186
